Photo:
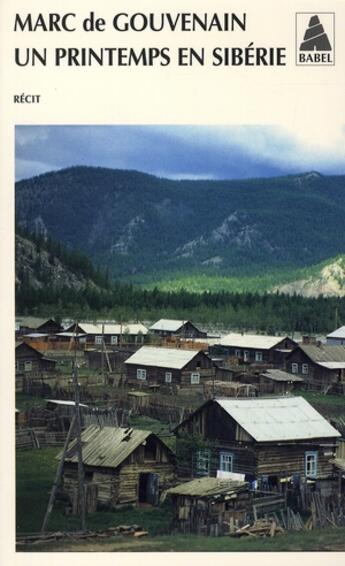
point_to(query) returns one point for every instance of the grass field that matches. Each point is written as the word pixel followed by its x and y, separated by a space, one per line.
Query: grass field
pixel 35 471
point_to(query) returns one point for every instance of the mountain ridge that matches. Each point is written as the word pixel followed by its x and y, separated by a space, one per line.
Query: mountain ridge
pixel 139 224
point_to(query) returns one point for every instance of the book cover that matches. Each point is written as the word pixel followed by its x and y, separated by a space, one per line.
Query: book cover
pixel 162 162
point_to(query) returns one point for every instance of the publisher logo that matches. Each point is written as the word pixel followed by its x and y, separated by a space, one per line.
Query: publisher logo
pixel 315 38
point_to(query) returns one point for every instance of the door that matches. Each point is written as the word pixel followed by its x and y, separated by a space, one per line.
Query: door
pixel 148 488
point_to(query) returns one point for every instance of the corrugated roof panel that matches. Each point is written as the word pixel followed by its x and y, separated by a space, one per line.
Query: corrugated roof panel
pixel 107 447
pixel 339 333
pixel 168 325
pixel 290 418
pixel 324 353
pixel 280 375
pixel 250 341
pixel 124 328
pixel 172 358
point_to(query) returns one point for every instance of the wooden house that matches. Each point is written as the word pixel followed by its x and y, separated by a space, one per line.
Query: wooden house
pixel 337 337
pixel 168 366
pixel 166 328
pixel 321 366
pixel 123 334
pixel 270 440
pixel 85 333
pixel 30 362
pixel 122 466
pixel 278 382
pixel 49 326
pixel 254 349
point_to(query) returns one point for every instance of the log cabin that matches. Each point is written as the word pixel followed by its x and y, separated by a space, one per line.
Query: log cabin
pixel 271 441
pixel 168 366
pixel 122 466
pixel 254 349
pixel 166 328
pixel 321 366
pixel 30 362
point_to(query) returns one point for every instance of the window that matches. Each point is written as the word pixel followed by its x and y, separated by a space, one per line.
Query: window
pixel 27 366
pixel 113 340
pixel 141 373
pixel 195 378
pixel 168 377
pixel 311 464
pixel 294 368
pixel 82 340
pixel 305 369
pixel 238 353
pixel 203 458
pixel 258 356
pixel 98 340
pixel 246 356
pixel 226 461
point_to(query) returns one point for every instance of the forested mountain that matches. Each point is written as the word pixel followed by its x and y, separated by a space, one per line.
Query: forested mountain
pixel 140 225
pixel 54 281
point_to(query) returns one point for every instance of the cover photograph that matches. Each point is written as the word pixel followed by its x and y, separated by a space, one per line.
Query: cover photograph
pixel 173 282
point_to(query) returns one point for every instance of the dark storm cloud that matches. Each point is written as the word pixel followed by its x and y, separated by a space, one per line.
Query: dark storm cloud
pixel 171 151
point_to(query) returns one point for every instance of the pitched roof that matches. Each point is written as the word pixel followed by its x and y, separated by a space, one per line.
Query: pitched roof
pixel 124 328
pixel 107 447
pixel 88 328
pixel 168 325
pixel 339 333
pixel 30 321
pixel 280 375
pixel 278 418
pixel 324 352
pixel 258 341
pixel 208 487
pixel 172 358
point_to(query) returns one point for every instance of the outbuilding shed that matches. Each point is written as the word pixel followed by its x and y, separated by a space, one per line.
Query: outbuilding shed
pixel 122 465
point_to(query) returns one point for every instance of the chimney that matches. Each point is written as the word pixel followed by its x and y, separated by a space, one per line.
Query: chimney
pixel 309 340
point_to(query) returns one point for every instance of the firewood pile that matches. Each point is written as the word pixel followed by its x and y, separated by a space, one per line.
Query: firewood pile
pixel 39 538
pixel 260 528
pixel 272 525
pixel 324 513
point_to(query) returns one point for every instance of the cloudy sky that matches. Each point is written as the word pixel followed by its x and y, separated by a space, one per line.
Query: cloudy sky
pixel 227 152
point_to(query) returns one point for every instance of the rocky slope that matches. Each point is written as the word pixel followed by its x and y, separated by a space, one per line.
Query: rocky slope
pixel 329 282
pixel 41 269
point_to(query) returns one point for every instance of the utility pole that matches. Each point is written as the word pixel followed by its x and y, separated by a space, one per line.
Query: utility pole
pixel 81 487
pixel 336 317
pixel 58 476
pixel 102 353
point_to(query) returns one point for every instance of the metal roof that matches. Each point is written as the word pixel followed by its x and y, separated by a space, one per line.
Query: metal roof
pixel 167 324
pixel 65 403
pixel 172 358
pixel 35 335
pixel 107 447
pixel 324 352
pixel 208 487
pixel 258 341
pixel 30 321
pixel 69 334
pixel 86 327
pixel 279 418
pixel 124 328
pixel 339 333
pixel 280 375
pixel 332 365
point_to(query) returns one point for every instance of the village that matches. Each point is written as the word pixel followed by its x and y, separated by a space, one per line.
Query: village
pixel 150 432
